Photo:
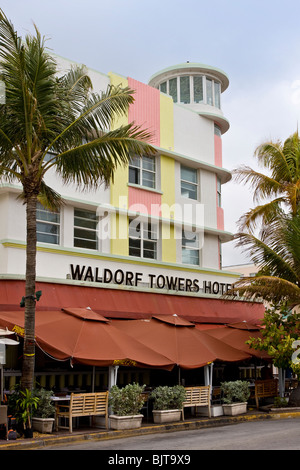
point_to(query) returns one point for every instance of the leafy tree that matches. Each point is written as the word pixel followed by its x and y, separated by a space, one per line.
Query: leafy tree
pixel 281 328
pixel 51 122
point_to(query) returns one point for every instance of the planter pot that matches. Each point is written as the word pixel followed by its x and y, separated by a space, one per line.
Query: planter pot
pixel 43 425
pixel 166 416
pixel 216 410
pixel 235 409
pixel 28 433
pixel 125 422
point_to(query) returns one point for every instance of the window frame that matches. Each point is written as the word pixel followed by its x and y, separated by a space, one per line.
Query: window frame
pixel 41 209
pixel 187 182
pixel 215 89
pixel 219 191
pixel 190 249
pixel 143 240
pixel 141 171
pixel 86 229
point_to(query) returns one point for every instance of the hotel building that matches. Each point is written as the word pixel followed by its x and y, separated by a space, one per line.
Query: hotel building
pixel 151 241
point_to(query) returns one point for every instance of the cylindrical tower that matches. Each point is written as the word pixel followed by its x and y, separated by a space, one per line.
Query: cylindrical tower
pixel 197 86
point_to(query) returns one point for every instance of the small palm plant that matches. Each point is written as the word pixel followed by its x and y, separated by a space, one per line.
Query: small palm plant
pixel 26 403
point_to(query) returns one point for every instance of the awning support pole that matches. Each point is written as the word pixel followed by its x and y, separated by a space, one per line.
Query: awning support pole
pixel 208 375
pixel 112 376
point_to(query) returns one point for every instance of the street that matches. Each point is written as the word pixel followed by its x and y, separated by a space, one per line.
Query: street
pixel 282 434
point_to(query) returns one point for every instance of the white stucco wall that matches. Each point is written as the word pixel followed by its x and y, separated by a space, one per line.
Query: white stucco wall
pixel 193 135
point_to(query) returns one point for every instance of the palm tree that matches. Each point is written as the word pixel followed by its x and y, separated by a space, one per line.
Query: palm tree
pixel 277 254
pixel 50 122
pixel 270 231
pixel 278 191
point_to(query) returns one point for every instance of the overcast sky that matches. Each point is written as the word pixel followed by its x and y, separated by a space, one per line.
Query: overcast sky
pixel 256 42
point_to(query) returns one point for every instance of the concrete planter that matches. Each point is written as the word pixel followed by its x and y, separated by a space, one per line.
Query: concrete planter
pixel 216 410
pixel 125 422
pixel 43 425
pixel 233 409
pixel 166 416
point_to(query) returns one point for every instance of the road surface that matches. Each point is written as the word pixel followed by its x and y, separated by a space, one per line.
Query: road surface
pixel 282 434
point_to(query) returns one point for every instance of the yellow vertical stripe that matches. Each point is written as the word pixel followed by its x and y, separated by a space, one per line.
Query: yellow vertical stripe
pixel 119 189
pixel 166 122
pixel 167 178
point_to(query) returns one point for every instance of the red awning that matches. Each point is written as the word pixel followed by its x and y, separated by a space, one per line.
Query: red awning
pixel 118 303
pixel 85 337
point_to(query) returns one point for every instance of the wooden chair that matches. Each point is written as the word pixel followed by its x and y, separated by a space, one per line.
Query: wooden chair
pixel 265 389
pixel 83 404
pixel 197 396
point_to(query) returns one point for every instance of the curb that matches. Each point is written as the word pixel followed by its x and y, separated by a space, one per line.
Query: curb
pixel 44 442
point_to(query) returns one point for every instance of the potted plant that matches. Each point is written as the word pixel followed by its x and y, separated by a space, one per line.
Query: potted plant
pixel 43 415
pixel 167 404
pixel 235 397
pixel 126 404
pixel 26 402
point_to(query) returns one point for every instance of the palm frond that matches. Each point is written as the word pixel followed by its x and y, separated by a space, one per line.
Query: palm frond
pixel 96 161
pixel 269 288
pixel 263 186
pixel 49 198
pixel 271 155
pixel 270 255
pixel 95 118
pixel 263 215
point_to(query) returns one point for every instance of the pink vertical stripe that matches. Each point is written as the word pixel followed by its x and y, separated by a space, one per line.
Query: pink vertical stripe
pixel 218 151
pixel 145 111
pixel 220 218
pixel 145 202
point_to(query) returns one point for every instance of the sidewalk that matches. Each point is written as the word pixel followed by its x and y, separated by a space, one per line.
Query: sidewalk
pixel 88 433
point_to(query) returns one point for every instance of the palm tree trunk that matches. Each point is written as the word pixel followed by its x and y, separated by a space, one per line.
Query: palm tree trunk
pixel 27 379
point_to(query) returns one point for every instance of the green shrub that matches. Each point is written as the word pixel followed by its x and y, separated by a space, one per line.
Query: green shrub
pixel 235 392
pixel 280 402
pixel 128 400
pixel 168 398
pixel 45 407
pixel 21 404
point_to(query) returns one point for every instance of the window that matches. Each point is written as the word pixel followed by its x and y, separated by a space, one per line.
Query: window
pixel 189 184
pixel 198 89
pixel 163 87
pixel 219 192
pixel 193 89
pixel 185 90
pixel 142 239
pixel 217 90
pixel 85 229
pixel 217 131
pixel 209 92
pixel 173 89
pixel 47 225
pixel 190 248
pixel 142 171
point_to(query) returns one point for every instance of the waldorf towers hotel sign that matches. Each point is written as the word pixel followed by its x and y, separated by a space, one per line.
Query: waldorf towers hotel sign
pixel 152 281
